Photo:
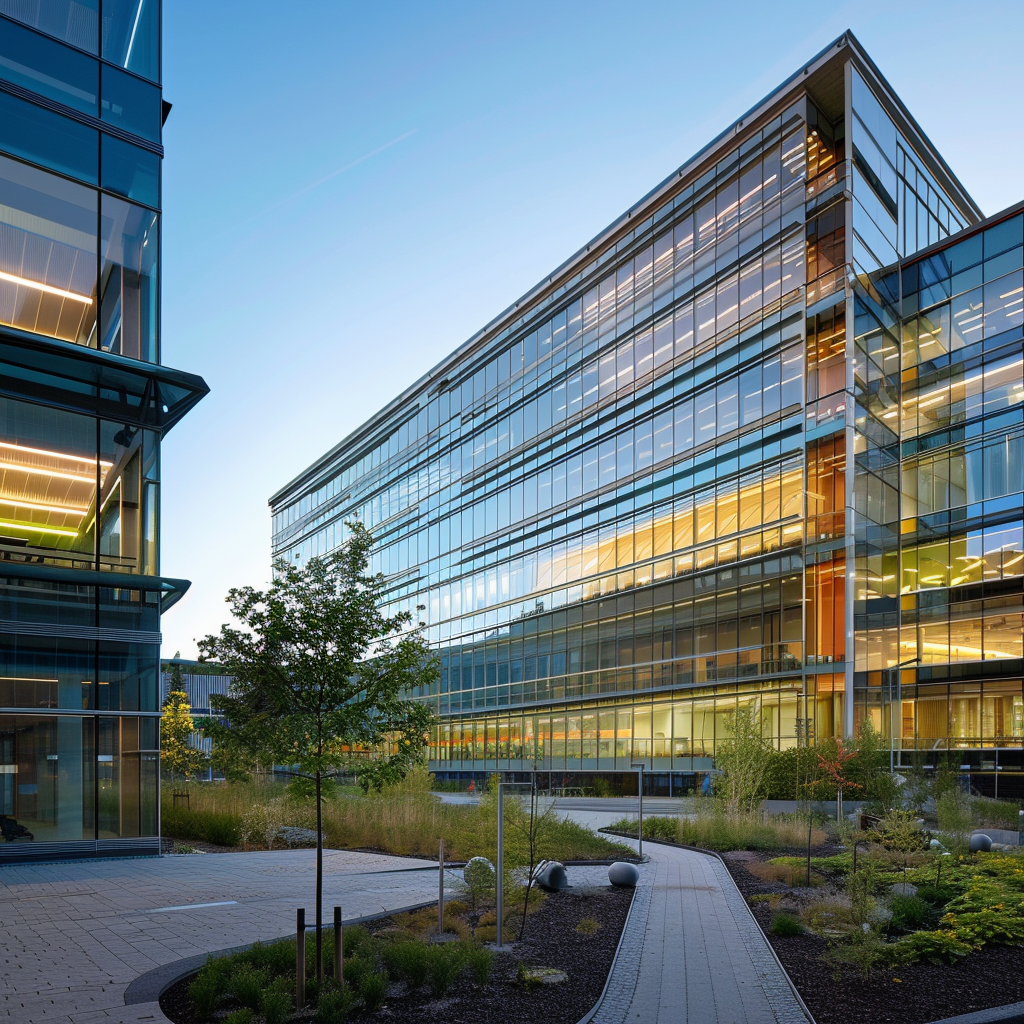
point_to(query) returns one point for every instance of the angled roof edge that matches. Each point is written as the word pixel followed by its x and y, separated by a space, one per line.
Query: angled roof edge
pixel 790 87
pixel 971 229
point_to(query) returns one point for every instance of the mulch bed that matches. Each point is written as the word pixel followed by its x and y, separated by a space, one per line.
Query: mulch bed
pixel 910 994
pixel 551 941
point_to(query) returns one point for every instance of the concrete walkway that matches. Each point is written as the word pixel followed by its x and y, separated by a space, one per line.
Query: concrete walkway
pixel 691 953
pixel 74 935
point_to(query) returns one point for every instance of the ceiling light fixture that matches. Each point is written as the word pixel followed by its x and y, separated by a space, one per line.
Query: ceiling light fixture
pixel 48 288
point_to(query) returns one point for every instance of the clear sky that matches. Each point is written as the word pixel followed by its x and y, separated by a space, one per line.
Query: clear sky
pixel 353 189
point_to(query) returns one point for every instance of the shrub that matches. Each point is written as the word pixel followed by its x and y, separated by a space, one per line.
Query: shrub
pixel 243 1016
pixel 407 961
pixel 276 1006
pixel 446 963
pixel 352 938
pixel 247 986
pixel 956 819
pixel 936 895
pixel 258 827
pixel 480 962
pixel 786 924
pixel 994 926
pixel 355 970
pixel 217 827
pixel 278 958
pixel 1001 813
pixel 909 912
pixel 205 993
pixel 333 1007
pixel 373 989
pixel 789 870
pixel 863 949
pixel 588 926
pixel 934 947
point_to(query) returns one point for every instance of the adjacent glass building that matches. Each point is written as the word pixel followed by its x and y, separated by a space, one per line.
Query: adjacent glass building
pixel 744 447
pixel 84 404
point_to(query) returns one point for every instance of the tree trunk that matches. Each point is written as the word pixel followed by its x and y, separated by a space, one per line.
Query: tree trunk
pixel 319 886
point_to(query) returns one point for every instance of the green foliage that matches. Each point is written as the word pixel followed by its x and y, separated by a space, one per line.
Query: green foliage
pixel 935 895
pixel 334 1006
pixel 956 818
pixel 743 759
pixel 446 963
pixel 276 1006
pixel 525 978
pixel 786 924
pixel 373 988
pixel 480 962
pixel 788 772
pixel 408 962
pixel 996 813
pixel 909 912
pixel 863 949
pixel 219 828
pixel 178 757
pixel 352 938
pixel 898 831
pixel 355 970
pixel 247 986
pixel 278 959
pixel 242 1016
pixel 205 993
pixel 938 947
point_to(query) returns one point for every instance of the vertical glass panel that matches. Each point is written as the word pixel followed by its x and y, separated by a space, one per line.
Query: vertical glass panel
pixel 46 778
pixel 131 36
pixel 47 254
pixel 133 172
pixel 73 21
pixel 130 103
pixel 48 139
pixel 47 68
pixel 48 483
pixel 130 248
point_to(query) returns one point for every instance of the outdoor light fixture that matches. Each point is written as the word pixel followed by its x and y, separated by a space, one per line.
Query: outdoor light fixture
pixel 48 288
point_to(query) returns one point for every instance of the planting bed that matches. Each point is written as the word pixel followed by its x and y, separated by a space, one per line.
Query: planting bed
pixel 554 939
pixel 906 994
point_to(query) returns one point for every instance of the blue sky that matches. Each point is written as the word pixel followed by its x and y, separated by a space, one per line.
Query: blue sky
pixel 352 190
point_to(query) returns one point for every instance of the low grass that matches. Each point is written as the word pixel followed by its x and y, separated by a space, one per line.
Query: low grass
pixel 996 813
pixel 715 828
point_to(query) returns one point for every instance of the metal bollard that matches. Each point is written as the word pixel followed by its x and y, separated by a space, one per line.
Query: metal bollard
pixel 300 958
pixel 339 948
pixel 440 889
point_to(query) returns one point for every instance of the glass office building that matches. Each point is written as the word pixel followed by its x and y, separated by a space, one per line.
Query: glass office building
pixel 84 403
pixel 709 462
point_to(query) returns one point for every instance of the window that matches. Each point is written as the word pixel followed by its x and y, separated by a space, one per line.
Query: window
pixel 47 254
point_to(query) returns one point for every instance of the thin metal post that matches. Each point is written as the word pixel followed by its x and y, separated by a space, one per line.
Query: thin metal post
pixel 300 958
pixel 640 816
pixel 440 888
pixel 501 857
pixel 339 949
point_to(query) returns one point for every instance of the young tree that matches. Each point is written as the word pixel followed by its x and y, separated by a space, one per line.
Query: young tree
pixel 320 676
pixel 833 762
pixel 744 760
pixel 177 755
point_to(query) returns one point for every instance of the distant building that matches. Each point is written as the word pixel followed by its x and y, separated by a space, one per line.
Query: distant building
pixel 760 443
pixel 85 403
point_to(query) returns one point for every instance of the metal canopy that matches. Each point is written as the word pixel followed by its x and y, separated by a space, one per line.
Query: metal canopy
pixel 97 383
pixel 171 590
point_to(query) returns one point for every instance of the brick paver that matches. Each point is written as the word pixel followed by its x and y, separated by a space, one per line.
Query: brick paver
pixel 76 934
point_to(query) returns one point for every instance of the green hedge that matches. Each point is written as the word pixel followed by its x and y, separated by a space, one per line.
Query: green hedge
pixel 217 827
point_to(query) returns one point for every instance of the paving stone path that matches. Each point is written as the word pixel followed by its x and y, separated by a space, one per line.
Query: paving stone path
pixel 691 952
pixel 74 935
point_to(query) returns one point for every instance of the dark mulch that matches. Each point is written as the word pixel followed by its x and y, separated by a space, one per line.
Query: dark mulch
pixel 911 994
pixel 551 941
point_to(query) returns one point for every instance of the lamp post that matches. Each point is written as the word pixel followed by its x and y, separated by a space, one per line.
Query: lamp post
pixel 640 815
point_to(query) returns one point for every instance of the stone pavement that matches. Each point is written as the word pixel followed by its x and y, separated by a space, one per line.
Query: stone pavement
pixel 691 952
pixel 76 934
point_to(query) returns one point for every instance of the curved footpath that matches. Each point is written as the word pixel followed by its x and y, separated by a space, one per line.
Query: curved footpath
pixel 691 952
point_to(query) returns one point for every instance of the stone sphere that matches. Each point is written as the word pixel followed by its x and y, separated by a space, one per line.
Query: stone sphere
pixel 622 873
pixel 478 872
pixel 552 877
pixel 980 843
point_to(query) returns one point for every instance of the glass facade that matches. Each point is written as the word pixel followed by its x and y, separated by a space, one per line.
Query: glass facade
pixel 664 484
pixel 84 404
